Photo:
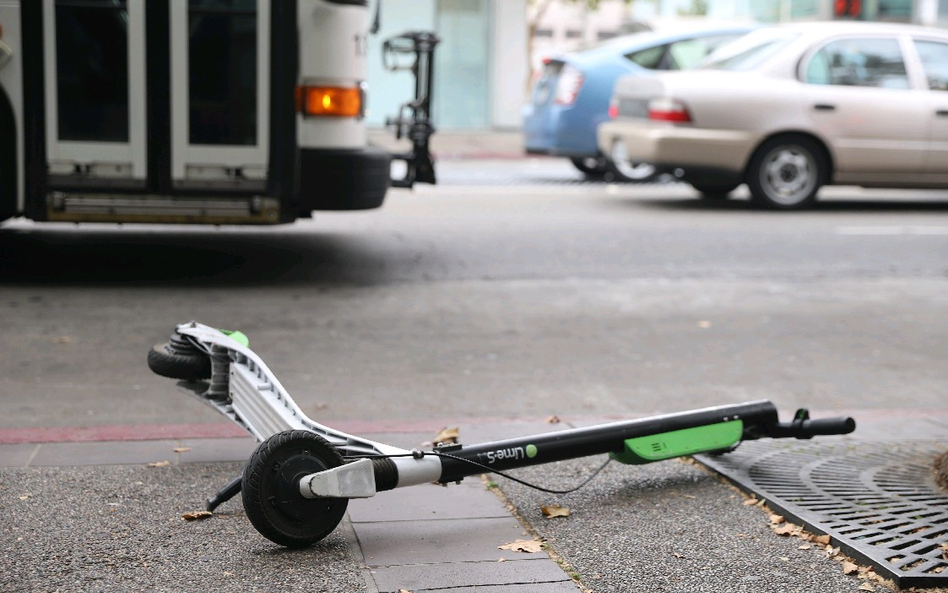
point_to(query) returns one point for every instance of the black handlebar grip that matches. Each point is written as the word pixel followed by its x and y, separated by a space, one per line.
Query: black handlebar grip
pixel 827 426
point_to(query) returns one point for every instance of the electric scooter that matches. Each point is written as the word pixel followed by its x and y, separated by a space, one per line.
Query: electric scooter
pixel 298 483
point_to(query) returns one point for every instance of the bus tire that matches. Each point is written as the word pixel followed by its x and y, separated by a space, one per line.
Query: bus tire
pixel 8 168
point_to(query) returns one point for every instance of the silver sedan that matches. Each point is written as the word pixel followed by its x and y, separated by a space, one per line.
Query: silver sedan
pixel 790 108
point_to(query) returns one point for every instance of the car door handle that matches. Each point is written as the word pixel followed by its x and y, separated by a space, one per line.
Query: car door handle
pixel 824 107
pixel 942 113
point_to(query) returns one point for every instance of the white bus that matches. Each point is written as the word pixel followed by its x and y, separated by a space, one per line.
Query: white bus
pixel 185 111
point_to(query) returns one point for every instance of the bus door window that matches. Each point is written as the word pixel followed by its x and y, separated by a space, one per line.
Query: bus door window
pixel 220 93
pixel 95 88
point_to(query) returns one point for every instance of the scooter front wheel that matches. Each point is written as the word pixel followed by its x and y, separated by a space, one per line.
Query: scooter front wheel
pixel 271 492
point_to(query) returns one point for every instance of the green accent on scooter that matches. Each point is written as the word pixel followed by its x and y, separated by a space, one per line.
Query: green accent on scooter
pixel 237 336
pixel 666 445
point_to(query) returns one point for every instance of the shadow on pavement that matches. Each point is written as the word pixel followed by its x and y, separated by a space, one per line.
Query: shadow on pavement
pixel 192 258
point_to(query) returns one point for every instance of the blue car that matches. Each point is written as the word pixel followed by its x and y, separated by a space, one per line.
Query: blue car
pixel 571 98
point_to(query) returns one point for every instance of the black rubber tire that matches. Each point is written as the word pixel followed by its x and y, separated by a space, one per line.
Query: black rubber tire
pixel 715 191
pixel 8 168
pixel 178 359
pixel 270 489
pixel 586 167
pixel 799 150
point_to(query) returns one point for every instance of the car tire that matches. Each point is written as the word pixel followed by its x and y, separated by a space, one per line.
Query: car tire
pixel 591 166
pixel 714 191
pixel 786 172
pixel 621 169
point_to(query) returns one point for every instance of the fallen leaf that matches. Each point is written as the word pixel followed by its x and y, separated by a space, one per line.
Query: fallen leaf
pixel 164 463
pixel 785 529
pixel 804 547
pixel 677 555
pixel 750 502
pixel 26 496
pixel 553 420
pixel 523 545
pixel 761 502
pixel 404 591
pixel 776 519
pixel 822 539
pixel 866 587
pixel 447 435
pixel 554 510
pixel 182 449
pixel 197 515
pixel 938 569
pixel 501 559
pixel 228 574
pixel 849 567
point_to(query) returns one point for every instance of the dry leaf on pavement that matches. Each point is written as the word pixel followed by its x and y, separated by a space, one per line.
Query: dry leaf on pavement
pixel 523 545
pixel 866 587
pixel 447 436
pixel 776 519
pixel 849 567
pixel 822 539
pixel 553 420
pixel 785 529
pixel 164 463
pixel 554 510
pixel 182 449
pixel 197 515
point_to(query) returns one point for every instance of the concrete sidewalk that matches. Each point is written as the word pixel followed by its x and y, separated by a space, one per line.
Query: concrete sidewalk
pixel 423 538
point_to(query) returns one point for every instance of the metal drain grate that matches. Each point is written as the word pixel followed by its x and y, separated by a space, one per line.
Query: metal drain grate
pixel 877 501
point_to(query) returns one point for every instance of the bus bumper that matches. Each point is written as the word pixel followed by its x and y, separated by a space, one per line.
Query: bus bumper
pixel 343 179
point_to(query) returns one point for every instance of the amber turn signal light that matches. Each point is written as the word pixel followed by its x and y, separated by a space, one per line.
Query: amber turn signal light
pixel 329 101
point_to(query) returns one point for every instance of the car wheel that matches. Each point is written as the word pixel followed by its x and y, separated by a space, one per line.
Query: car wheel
pixel 786 172
pixel 592 166
pixel 624 170
pixel 715 191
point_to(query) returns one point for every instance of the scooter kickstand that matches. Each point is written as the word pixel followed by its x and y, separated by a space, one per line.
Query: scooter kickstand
pixel 224 494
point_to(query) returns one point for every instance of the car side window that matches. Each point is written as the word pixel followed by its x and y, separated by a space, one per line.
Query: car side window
pixel 934 56
pixel 869 62
pixel 687 53
pixel 650 58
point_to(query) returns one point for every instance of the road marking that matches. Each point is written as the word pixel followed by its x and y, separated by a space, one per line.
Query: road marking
pixel 876 230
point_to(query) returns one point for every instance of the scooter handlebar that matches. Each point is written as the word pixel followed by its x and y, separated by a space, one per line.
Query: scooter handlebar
pixel 804 428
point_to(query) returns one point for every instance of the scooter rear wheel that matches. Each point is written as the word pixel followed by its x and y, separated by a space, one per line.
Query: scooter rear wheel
pixel 271 493
pixel 179 359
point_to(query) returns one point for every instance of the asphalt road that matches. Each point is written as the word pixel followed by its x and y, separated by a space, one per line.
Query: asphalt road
pixel 508 290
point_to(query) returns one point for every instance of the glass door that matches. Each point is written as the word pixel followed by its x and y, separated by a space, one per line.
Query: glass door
pixel 219 93
pixel 95 92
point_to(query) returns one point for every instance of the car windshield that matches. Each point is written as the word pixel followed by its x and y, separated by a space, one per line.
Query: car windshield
pixel 749 51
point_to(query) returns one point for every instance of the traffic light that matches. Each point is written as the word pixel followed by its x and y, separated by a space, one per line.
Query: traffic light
pixel 847 8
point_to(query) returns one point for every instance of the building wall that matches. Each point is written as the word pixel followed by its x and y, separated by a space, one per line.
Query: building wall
pixel 480 70
pixel 485 63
